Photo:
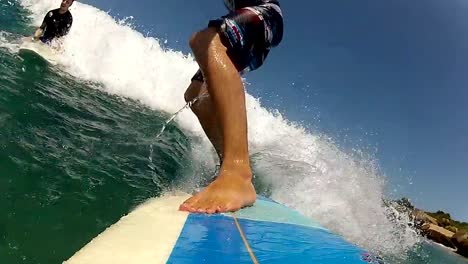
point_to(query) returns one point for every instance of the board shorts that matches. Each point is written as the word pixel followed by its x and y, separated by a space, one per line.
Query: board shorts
pixel 248 34
pixel 45 41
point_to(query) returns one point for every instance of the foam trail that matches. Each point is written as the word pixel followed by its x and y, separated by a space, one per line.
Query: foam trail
pixel 307 171
pixel 7 41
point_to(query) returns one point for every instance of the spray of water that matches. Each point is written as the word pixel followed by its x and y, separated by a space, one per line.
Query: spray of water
pixel 188 105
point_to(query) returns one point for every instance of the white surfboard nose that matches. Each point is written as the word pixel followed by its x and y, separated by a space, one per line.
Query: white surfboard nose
pixel 146 235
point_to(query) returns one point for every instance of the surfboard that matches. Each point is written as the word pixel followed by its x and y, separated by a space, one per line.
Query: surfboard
pixel 39 49
pixel 157 232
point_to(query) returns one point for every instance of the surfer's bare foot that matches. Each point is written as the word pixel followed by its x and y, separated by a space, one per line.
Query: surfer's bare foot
pixel 230 192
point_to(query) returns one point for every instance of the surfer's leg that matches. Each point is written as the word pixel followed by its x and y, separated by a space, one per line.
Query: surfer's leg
pixel 233 187
pixel 204 110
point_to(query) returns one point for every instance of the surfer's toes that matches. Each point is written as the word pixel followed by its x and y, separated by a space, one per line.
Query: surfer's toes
pixel 201 207
pixel 231 207
pixel 184 207
pixel 211 210
pixel 188 205
pixel 211 205
pixel 194 205
pixel 200 210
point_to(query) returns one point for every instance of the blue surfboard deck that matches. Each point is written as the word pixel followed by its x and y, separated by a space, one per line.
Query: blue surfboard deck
pixel 273 232
pixel 268 232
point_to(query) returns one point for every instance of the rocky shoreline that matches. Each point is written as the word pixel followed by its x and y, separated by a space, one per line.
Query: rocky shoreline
pixel 442 233
pixel 438 227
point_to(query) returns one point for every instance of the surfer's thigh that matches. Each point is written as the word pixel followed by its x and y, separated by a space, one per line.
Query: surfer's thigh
pixel 205 45
pixel 243 33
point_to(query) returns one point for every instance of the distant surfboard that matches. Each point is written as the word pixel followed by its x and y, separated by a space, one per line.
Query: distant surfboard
pixel 40 49
pixel 156 232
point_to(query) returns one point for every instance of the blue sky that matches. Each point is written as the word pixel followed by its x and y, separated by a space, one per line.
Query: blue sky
pixel 389 75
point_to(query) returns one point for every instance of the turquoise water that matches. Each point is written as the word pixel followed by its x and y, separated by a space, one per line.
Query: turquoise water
pixel 74 158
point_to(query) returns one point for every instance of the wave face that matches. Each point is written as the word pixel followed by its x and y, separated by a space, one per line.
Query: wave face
pixel 307 171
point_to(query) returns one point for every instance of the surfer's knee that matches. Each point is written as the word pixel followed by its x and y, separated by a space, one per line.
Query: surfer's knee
pixel 201 40
pixel 195 41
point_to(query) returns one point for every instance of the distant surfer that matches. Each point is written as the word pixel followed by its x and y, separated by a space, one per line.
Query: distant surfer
pixel 56 24
pixel 230 46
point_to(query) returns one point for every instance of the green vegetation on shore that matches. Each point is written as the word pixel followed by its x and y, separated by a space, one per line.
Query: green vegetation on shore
pixel 443 219
pixel 446 221
pixel 438 227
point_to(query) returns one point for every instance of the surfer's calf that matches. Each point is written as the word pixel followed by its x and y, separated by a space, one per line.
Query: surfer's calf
pixel 232 45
